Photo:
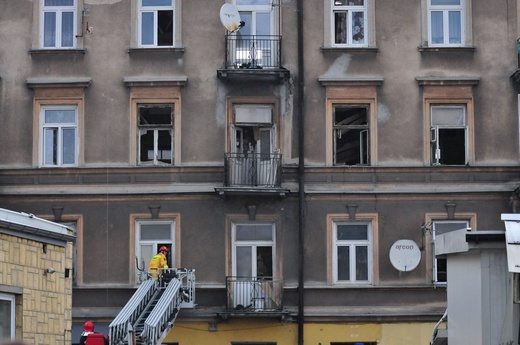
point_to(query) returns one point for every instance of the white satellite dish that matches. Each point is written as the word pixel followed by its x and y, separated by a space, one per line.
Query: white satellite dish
pixel 405 255
pixel 230 17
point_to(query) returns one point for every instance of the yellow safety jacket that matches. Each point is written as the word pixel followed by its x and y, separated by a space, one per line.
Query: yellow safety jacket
pixel 157 261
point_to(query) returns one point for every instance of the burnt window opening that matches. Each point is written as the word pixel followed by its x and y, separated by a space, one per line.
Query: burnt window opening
pixel 351 135
pixel 165 28
pixel 448 135
pixel 155 125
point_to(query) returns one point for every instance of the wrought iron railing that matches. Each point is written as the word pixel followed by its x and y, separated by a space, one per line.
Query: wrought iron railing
pixel 252 170
pixel 253 52
pixel 254 294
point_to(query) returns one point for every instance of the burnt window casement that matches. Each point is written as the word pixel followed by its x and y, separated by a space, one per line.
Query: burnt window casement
pixel 351 134
pixel 448 135
pixel 155 124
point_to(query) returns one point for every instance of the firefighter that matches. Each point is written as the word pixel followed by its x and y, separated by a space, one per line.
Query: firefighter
pixel 158 263
pixel 88 328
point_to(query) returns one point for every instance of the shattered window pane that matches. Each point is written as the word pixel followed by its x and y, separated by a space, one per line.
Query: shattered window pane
pixel 155 124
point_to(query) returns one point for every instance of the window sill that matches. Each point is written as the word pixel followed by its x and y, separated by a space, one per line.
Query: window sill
pixel 349 49
pixel 426 49
pixel 76 51
pixel 134 50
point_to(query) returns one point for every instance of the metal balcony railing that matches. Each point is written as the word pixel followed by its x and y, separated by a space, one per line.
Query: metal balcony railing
pixel 253 52
pixel 252 170
pixel 254 294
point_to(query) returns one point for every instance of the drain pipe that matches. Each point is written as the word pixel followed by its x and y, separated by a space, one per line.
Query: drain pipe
pixel 301 166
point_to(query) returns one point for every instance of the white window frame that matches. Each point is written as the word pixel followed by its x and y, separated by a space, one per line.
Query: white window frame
pixel 58 10
pixel 254 244
pixel 436 154
pixel 255 9
pixel 445 9
pixel 155 9
pixel 59 127
pixel 464 224
pixel 352 244
pixel 12 316
pixel 349 9
pixel 153 245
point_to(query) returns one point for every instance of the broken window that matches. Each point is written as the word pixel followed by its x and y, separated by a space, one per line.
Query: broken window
pixel 446 22
pixel 58 24
pixel 156 19
pixel 448 135
pixel 59 135
pixel 351 135
pixel 349 22
pixel 253 159
pixel 155 128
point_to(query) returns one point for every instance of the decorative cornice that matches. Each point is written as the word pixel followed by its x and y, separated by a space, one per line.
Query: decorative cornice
pixel 351 81
pixel 155 81
pixel 34 83
pixel 446 81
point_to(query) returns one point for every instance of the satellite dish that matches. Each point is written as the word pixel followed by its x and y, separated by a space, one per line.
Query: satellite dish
pixel 405 255
pixel 230 17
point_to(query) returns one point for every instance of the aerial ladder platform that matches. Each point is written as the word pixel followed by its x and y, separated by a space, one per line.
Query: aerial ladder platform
pixel 150 313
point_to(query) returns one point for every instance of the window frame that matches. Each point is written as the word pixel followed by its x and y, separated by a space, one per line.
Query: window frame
pixel 363 139
pixel 435 95
pixel 255 10
pixel 253 244
pixel 369 31
pixel 429 244
pixel 137 27
pixel 137 218
pixel 60 127
pixel 445 10
pixel 156 129
pixel 349 9
pixel 372 221
pixel 58 37
pixel 350 94
pixel 148 94
pixel 466 26
pixel 435 138
pixel 12 299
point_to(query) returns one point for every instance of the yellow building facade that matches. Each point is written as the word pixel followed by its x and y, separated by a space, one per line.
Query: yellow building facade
pixel 35 279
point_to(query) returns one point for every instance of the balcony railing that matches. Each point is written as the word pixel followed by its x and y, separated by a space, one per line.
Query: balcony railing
pixel 252 170
pixel 253 52
pixel 255 294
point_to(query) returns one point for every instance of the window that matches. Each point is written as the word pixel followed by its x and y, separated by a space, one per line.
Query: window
pixel 349 22
pixel 449 121
pixel 448 135
pixel 155 126
pixel 253 157
pixel 352 255
pixel 446 22
pixel 150 236
pixel 254 249
pixel 58 24
pixel 441 227
pixel 7 316
pixel 255 42
pixel 350 123
pixel 157 20
pixel 59 135
pixel 351 134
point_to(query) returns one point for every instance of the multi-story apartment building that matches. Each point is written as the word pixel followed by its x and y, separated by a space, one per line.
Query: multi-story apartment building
pixel 283 159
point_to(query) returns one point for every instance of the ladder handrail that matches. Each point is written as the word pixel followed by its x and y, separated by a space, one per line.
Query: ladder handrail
pixel 161 319
pixel 118 328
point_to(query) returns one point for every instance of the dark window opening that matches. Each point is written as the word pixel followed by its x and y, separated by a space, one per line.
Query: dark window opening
pixel 155 124
pixel 165 28
pixel 351 136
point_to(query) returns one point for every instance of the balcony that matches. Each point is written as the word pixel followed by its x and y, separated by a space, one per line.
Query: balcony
pixel 252 173
pixel 254 297
pixel 253 57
